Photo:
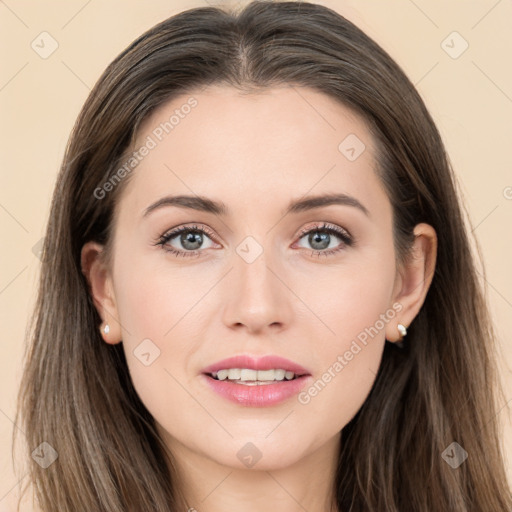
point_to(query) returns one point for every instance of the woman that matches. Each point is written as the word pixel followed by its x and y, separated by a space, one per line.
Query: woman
pixel 257 289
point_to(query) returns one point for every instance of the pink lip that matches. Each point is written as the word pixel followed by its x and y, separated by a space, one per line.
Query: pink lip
pixel 262 363
pixel 263 395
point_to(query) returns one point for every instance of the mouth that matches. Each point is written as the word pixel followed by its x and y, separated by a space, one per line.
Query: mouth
pixel 256 382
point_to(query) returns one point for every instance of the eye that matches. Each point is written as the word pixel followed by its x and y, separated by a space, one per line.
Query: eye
pixel 321 237
pixel 191 239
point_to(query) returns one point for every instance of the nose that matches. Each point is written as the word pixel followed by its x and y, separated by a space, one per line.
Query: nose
pixel 258 298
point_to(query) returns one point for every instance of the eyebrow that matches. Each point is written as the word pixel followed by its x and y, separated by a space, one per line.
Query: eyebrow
pixel 204 204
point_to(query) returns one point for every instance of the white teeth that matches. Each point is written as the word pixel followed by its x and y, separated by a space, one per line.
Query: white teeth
pixel 222 374
pixel 249 375
pixel 279 374
pixel 243 375
pixel 234 373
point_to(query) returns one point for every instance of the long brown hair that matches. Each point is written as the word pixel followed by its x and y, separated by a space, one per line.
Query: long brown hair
pixel 442 387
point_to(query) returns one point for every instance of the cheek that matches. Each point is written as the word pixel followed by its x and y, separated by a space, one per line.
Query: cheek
pixel 153 301
pixel 349 297
pixel 355 308
pixel 158 317
pixel 346 375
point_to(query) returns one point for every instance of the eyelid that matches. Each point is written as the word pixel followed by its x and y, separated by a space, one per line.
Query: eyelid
pixel 188 227
pixel 326 226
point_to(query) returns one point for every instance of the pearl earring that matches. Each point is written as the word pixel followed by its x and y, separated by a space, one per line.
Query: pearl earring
pixel 106 329
pixel 402 330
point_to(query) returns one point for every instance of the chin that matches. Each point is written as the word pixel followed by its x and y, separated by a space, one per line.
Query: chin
pixel 259 454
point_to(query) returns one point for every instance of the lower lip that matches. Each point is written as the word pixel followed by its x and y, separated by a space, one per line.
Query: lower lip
pixel 261 395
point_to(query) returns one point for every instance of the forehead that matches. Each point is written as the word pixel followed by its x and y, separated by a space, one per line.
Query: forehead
pixel 252 149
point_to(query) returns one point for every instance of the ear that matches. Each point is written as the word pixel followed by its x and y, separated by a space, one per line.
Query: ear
pixel 101 290
pixel 413 279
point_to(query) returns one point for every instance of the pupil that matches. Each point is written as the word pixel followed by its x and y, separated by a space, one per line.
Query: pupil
pixel 322 238
pixel 191 238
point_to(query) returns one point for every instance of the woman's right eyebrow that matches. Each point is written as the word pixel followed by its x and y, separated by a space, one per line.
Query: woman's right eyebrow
pixel 205 204
pixel 199 203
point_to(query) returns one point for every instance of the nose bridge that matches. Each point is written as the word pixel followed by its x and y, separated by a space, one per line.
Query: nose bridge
pixel 257 298
pixel 255 280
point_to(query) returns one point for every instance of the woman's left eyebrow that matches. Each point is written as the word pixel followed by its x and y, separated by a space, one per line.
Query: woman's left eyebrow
pixel 204 204
pixel 319 201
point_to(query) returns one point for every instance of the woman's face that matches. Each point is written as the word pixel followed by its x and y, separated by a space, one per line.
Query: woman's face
pixel 265 278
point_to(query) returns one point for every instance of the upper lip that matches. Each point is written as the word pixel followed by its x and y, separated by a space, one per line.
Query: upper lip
pixel 256 363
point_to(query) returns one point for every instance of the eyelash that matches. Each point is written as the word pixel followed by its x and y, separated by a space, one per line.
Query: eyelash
pixel 342 234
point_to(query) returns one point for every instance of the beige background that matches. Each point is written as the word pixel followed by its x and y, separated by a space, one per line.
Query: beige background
pixel 470 98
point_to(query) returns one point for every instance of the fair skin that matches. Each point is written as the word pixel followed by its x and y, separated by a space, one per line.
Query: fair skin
pixel 256 153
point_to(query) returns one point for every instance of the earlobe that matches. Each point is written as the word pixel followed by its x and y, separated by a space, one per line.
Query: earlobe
pixel 100 287
pixel 414 280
